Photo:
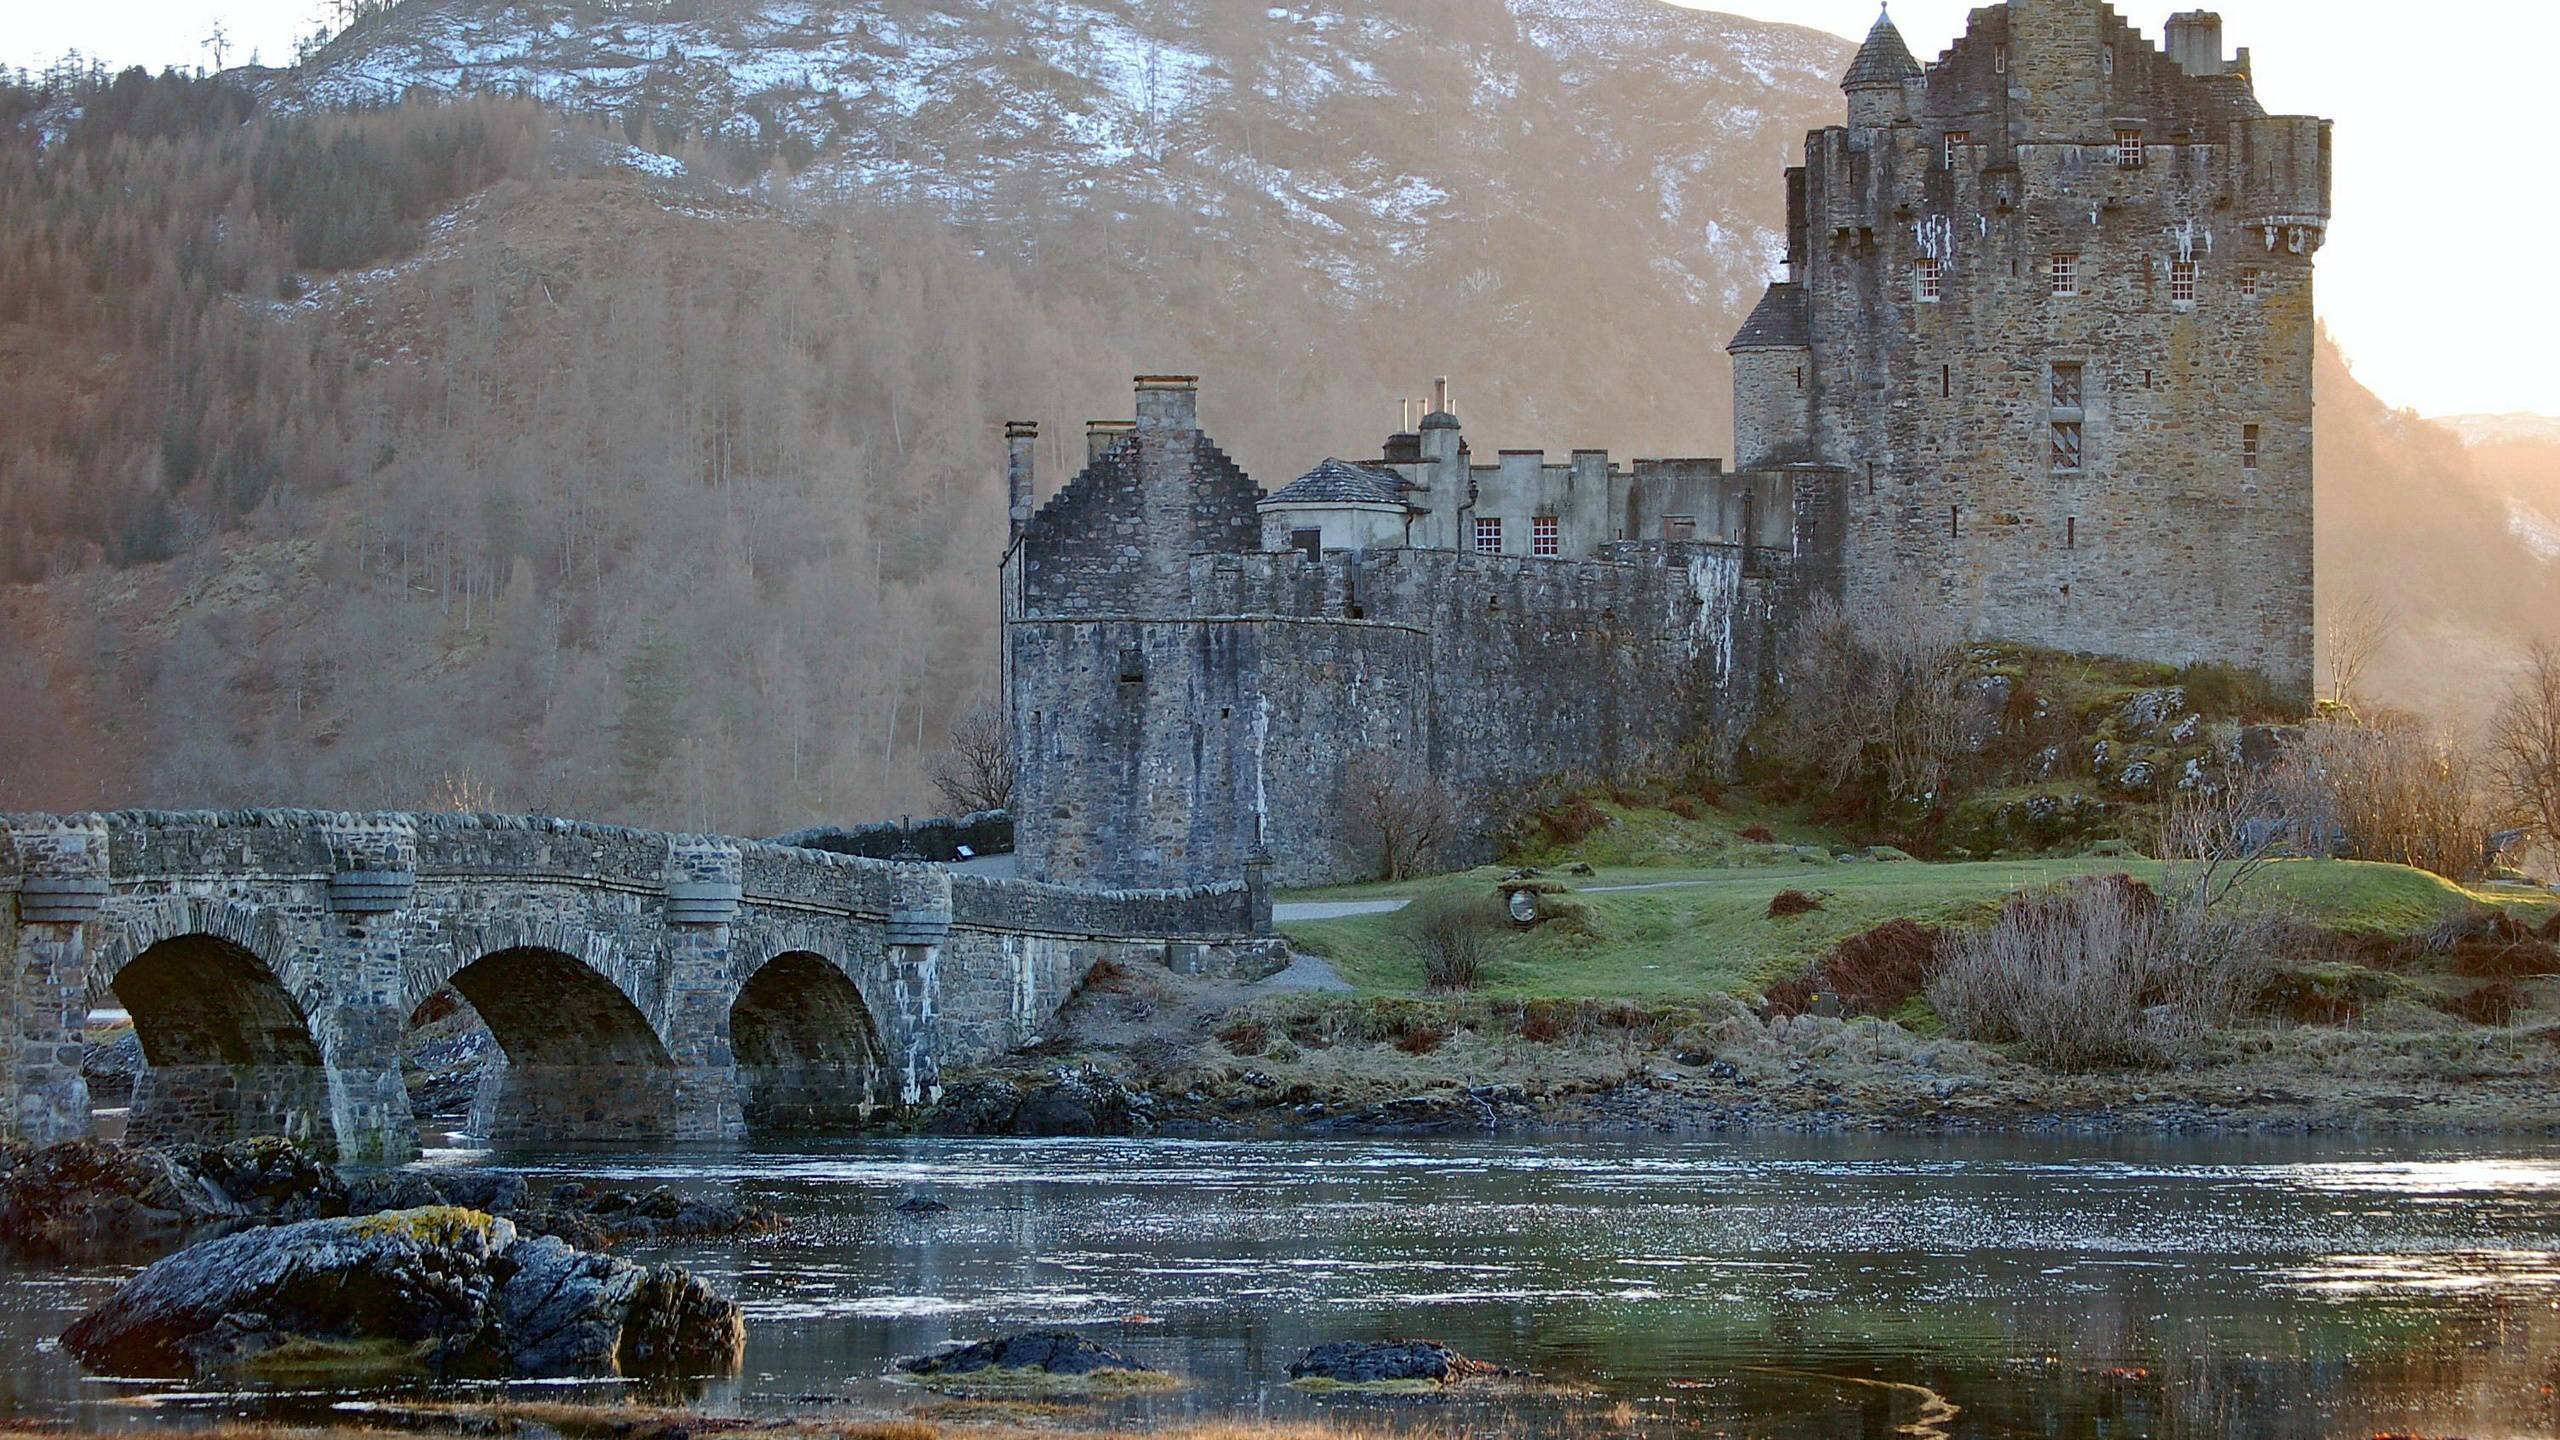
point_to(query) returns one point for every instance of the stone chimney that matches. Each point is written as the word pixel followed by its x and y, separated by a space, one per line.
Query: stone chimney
pixel 2194 40
pixel 1440 396
pixel 1168 404
pixel 1020 438
pixel 1101 435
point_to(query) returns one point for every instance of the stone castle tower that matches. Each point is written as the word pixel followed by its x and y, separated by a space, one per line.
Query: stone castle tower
pixel 2048 306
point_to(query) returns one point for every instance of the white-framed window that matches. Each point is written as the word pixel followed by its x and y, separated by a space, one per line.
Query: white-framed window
pixel 2249 280
pixel 2066 272
pixel 1489 535
pixel 2066 444
pixel 1957 140
pixel 2070 385
pixel 2249 448
pixel 1929 280
pixel 2182 282
pixel 2129 149
pixel 1546 537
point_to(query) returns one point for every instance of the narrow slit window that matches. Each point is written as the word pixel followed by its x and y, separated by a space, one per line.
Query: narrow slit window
pixel 1930 285
pixel 1946 381
pixel 2070 385
pixel 2182 282
pixel 1799 377
pixel 2249 448
pixel 1545 538
pixel 1955 522
pixel 2107 61
pixel 1489 535
pixel 1957 140
pixel 2071 534
pixel 1999 59
pixel 2066 444
pixel 2129 151
pixel 2066 272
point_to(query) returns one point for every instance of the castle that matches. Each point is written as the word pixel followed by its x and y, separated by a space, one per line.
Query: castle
pixel 2040 368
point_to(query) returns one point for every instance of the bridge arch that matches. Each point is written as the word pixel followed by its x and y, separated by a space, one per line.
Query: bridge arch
pixel 581 1059
pixel 228 1045
pixel 808 1049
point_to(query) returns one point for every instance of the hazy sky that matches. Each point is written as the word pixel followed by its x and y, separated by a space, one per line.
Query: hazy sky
pixel 2440 139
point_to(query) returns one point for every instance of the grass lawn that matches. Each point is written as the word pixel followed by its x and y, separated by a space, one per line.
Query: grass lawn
pixel 1713 933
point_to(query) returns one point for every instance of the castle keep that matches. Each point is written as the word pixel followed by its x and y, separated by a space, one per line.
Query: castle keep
pixel 2040 366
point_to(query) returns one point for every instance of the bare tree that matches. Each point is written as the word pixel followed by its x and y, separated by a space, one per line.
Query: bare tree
pixel 2390 789
pixel 2524 746
pixel 2215 839
pixel 2354 635
pixel 1396 815
pixel 1871 702
pixel 977 771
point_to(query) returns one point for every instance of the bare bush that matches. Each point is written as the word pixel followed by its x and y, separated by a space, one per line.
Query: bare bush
pixel 1871 703
pixel 977 771
pixel 2390 790
pixel 2524 747
pixel 2101 974
pixel 1396 815
pixel 2353 635
pixel 1455 932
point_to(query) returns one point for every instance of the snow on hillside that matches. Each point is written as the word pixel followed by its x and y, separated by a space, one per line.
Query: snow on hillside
pixel 2502 429
pixel 1329 121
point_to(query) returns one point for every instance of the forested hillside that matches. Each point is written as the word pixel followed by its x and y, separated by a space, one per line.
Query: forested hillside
pixel 601 418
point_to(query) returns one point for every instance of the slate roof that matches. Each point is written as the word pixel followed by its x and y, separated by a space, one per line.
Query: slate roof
pixel 1337 482
pixel 1883 60
pixel 1779 320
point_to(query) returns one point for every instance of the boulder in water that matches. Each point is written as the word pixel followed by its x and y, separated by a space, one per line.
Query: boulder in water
pixel 1035 1359
pixel 1388 1362
pixel 441 1292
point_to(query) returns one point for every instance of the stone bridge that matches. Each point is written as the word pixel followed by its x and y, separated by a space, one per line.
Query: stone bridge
pixel 640 986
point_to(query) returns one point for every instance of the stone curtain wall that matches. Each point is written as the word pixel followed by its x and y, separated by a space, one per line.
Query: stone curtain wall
pixel 2162 545
pixel 1163 749
pixel 640 985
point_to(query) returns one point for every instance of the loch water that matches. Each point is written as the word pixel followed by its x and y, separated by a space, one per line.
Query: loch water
pixel 1816 1286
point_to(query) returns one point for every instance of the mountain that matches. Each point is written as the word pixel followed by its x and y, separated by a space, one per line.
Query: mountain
pixel 616 435
pixel 2517 427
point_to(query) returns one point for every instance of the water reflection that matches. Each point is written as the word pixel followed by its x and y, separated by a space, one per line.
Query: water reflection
pixel 1774 1287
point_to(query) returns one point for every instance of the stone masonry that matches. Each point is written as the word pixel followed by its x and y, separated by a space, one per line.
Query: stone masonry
pixel 2039 370
pixel 639 985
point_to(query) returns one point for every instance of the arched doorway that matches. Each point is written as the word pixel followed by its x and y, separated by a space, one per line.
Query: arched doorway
pixel 581 1061
pixel 227 1053
pixel 809 1056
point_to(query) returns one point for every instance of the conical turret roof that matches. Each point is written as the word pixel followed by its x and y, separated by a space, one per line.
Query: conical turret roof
pixel 1884 59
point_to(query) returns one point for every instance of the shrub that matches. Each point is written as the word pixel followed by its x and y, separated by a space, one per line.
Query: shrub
pixel 1759 835
pixel 1874 972
pixel 1455 930
pixel 1787 903
pixel 2100 974
pixel 1396 815
pixel 1246 1037
pixel 2390 791
pixel 2492 1004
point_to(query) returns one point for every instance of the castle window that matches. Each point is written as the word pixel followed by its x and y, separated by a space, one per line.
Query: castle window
pixel 1489 535
pixel 2107 61
pixel 2128 149
pixel 2249 448
pixel 1307 542
pixel 1946 389
pixel 2070 385
pixel 1999 59
pixel 2182 282
pixel 1955 522
pixel 1679 527
pixel 1956 141
pixel 2249 281
pixel 2066 272
pixel 1799 377
pixel 1545 537
pixel 1931 279
pixel 2071 533
pixel 2066 444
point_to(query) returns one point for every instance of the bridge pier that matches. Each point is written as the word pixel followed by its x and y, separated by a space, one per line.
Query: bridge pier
pixel 375 876
pixel 919 923
pixel 64 889
pixel 705 890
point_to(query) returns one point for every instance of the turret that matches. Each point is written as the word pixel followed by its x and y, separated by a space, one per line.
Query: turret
pixel 1876 78
pixel 1021 437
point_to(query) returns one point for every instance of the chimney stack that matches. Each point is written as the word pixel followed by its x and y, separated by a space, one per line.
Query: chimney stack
pixel 1020 437
pixel 2194 40
pixel 1440 396
pixel 1101 435
pixel 1168 403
